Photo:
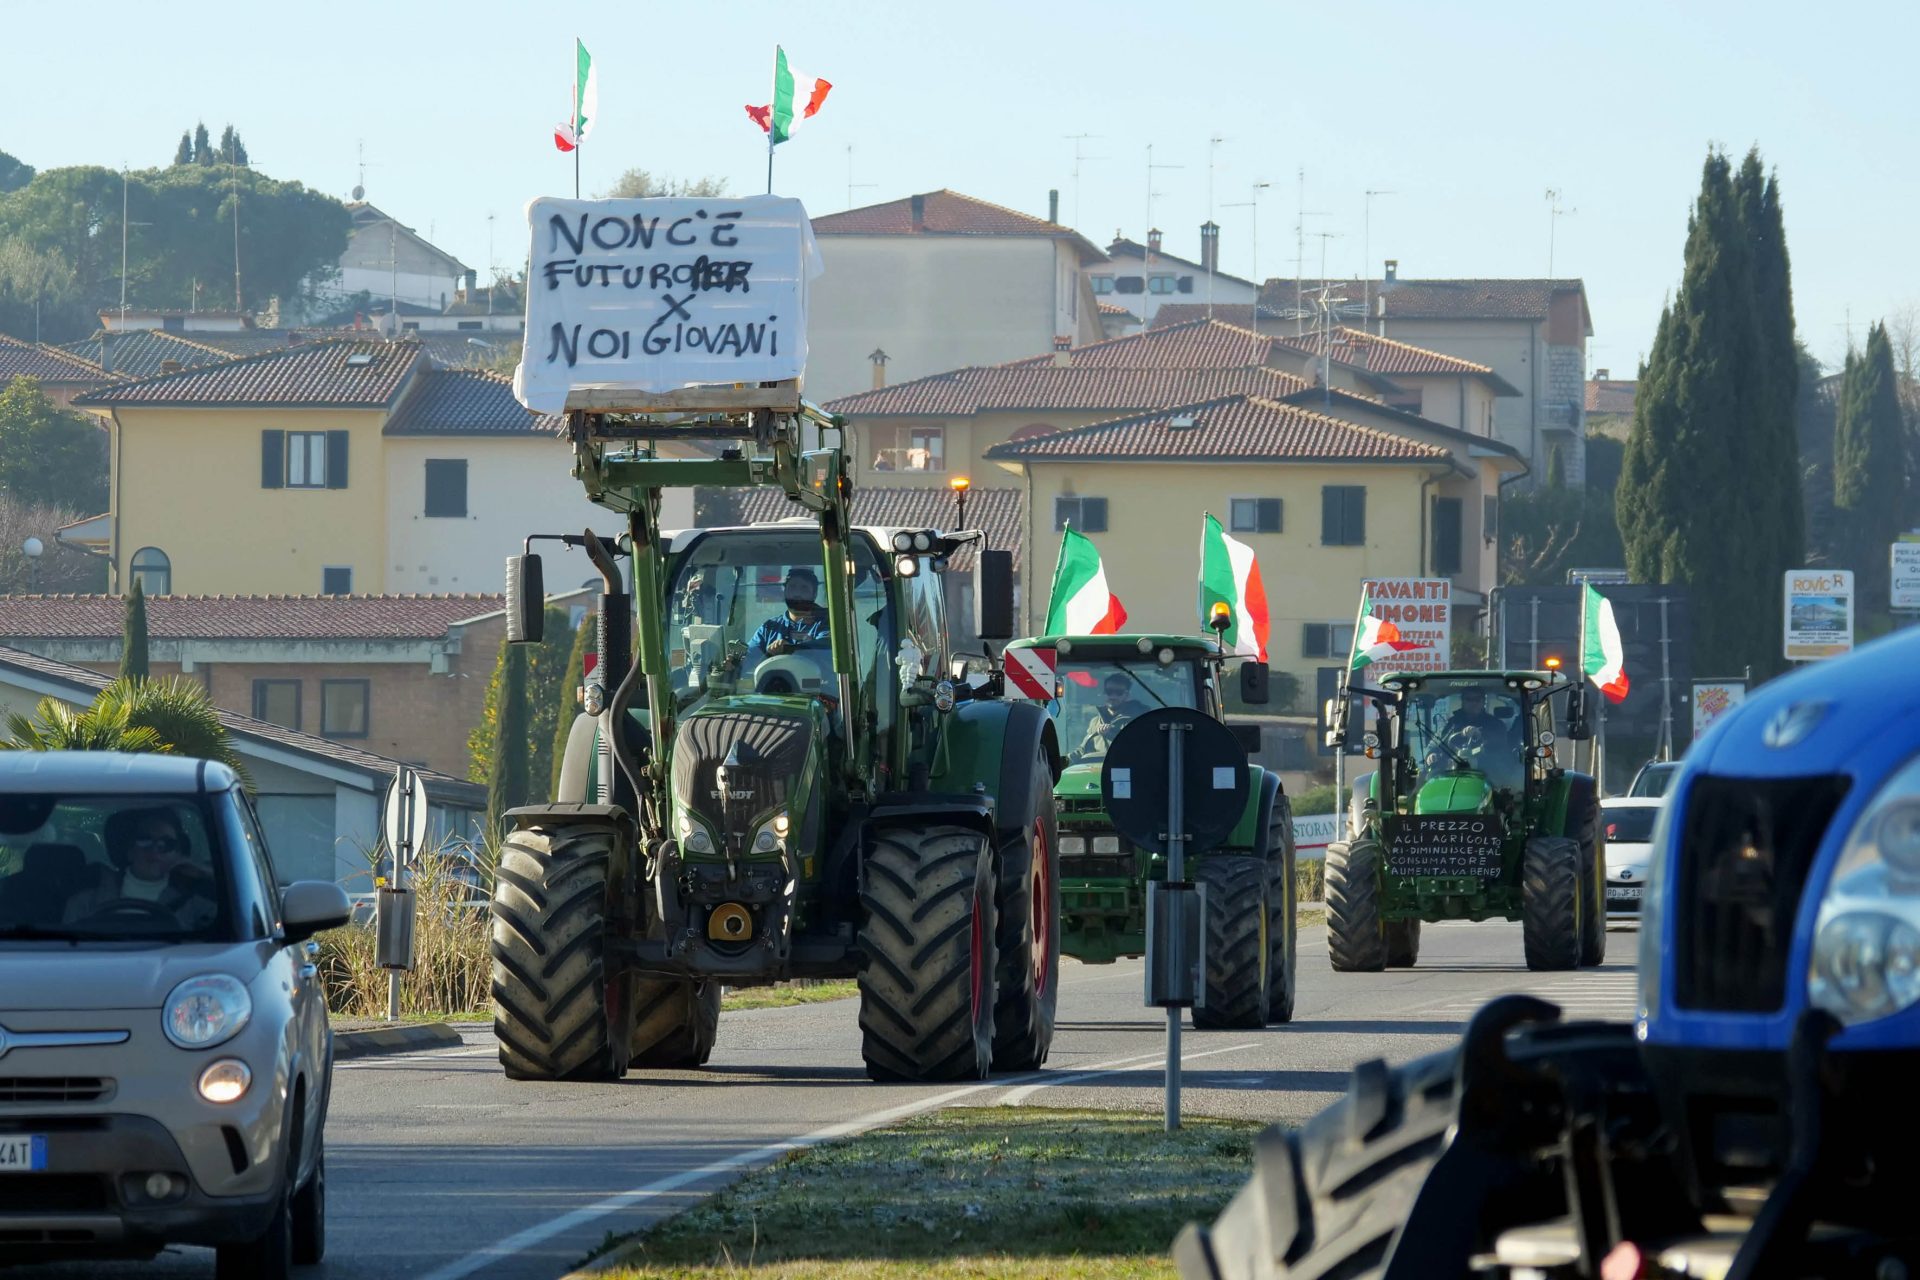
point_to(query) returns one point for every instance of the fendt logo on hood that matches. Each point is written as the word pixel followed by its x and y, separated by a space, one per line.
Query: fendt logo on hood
pixel 1792 723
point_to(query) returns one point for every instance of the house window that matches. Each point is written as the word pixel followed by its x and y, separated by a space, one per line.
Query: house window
pixel 1129 284
pixel 470 325
pixel 1086 515
pixel 1162 284
pixel 306 459
pixel 277 702
pixel 410 326
pixel 1254 515
pixel 1447 526
pixel 927 449
pixel 1326 639
pixel 152 570
pixel 447 487
pixel 343 708
pixel 1343 515
pixel 336 580
pixel 1102 285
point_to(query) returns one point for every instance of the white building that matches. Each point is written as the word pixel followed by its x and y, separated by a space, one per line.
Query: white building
pixel 387 259
pixel 1143 278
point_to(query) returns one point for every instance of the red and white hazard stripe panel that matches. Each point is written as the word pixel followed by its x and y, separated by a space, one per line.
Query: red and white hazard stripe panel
pixel 1031 672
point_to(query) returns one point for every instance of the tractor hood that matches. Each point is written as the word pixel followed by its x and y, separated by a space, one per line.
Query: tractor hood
pixel 739 761
pixel 1080 782
pixel 1455 793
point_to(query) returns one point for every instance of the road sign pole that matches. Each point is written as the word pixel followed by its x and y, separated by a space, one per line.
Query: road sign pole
pixel 1176 874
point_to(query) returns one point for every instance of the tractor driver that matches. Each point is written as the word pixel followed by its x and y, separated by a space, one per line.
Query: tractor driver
pixel 803 621
pixel 1114 711
pixel 1473 714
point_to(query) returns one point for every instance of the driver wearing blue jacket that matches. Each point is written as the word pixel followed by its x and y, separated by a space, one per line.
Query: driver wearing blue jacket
pixel 803 621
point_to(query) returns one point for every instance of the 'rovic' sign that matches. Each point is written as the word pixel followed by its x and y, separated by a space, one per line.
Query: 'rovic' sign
pixel 656 294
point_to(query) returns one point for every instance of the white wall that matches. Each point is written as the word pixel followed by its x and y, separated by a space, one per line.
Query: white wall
pixel 1226 292
pixel 515 487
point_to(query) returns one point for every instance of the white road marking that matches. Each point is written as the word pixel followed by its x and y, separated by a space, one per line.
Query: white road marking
pixel 1020 1095
pixel 1612 995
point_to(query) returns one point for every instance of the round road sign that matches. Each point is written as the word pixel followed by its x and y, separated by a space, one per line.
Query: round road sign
pixel 1134 780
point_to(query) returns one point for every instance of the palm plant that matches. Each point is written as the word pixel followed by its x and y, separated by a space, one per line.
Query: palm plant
pixel 170 716
pixel 55 726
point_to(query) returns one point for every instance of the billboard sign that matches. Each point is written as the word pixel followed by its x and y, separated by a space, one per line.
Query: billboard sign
pixel 1423 610
pixel 1906 574
pixel 1819 613
pixel 1713 699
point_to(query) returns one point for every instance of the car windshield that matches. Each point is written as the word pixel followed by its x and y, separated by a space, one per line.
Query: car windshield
pixel 1653 780
pixel 130 867
pixel 1097 699
pixel 1630 824
pixel 1470 724
pixel 748 615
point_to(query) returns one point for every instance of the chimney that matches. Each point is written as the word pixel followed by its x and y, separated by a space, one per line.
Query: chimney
pixel 1210 246
pixel 1153 242
pixel 473 282
pixel 1393 270
pixel 1062 351
pixel 1053 205
pixel 879 360
pixel 171 366
pixel 1599 375
pixel 919 214
pixel 107 339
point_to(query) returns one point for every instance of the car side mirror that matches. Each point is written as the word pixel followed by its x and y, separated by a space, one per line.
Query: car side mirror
pixel 993 594
pixel 308 907
pixel 1253 683
pixel 1248 736
pixel 526 600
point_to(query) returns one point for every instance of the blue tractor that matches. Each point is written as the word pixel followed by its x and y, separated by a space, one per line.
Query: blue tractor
pixel 1759 1116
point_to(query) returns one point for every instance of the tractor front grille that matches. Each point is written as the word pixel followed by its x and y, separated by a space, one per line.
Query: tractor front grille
pixel 770 754
pixel 1746 846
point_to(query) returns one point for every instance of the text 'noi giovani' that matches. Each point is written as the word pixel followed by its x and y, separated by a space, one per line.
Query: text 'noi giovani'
pixel 675 276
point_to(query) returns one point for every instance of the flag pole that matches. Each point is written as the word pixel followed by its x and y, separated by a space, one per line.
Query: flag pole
pixel 773 104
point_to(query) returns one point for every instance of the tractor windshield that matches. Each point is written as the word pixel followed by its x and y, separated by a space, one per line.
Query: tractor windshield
pixel 747 615
pixel 1097 699
pixel 1467 724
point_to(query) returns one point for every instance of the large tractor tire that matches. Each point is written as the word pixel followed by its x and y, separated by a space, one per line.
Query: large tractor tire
pixel 1403 944
pixel 1327 1200
pixel 675 1022
pixel 1027 985
pixel 1356 937
pixel 1283 914
pixel 558 1013
pixel 1550 902
pixel 926 987
pixel 1584 827
pixel 1239 951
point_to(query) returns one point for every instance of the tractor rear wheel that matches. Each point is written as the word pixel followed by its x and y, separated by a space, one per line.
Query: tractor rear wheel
pixel 1239 947
pixel 558 1012
pixel 926 986
pixel 1403 944
pixel 1356 938
pixel 675 1022
pixel 1283 914
pixel 1550 902
pixel 1593 882
pixel 1028 983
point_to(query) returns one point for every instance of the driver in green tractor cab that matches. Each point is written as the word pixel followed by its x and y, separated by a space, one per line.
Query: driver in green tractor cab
pixel 804 620
pixel 1115 710
pixel 1472 714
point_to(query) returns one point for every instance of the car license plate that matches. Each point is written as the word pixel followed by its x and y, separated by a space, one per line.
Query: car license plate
pixel 1623 893
pixel 26 1153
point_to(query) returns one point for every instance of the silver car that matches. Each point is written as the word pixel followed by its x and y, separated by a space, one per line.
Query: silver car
pixel 1629 832
pixel 165 1057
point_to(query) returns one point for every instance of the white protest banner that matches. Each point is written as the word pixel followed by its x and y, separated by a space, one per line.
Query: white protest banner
pixel 1906 574
pixel 661 293
pixel 1423 610
pixel 1819 613
pixel 1713 699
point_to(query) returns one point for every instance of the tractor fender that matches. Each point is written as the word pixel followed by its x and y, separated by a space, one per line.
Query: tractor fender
pixel 1263 792
pixel 992 744
pixel 932 808
pixel 1562 792
pixel 576 767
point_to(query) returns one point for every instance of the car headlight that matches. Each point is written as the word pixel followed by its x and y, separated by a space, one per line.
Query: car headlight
pixel 1106 844
pixel 1866 942
pixel 205 1011
pixel 1070 845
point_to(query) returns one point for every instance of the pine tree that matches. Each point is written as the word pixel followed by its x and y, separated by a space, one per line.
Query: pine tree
pixel 202 144
pixel 1556 469
pixel 183 154
pixel 1869 464
pixel 575 675
pixel 507 780
pixel 133 635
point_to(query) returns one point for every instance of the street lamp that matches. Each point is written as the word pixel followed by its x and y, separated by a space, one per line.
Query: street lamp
pixel 33 547
pixel 960 485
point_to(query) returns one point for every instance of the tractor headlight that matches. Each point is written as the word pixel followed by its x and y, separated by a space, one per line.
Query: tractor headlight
pixel 770 834
pixel 693 836
pixel 1072 845
pixel 1106 844
pixel 1866 943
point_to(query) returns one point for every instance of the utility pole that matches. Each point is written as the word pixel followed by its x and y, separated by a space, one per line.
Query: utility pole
pixel 233 161
pixel 393 263
pixel 493 273
pixel 1554 214
pixel 1366 265
pixel 1253 238
pixel 1078 159
pixel 125 181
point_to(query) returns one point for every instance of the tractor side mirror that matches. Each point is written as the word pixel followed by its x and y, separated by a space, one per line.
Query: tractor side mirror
pixel 1579 723
pixel 993 594
pixel 1329 727
pixel 1248 736
pixel 526 600
pixel 1253 683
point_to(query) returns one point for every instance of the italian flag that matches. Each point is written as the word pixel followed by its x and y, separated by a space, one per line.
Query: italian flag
pixel 1081 604
pixel 797 96
pixel 1375 639
pixel 1229 574
pixel 1601 654
pixel 586 101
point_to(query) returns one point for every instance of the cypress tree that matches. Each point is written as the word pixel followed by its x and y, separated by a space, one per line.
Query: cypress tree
pixel 574 677
pixel 202 144
pixel 507 778
pixel 1869 464
pixel 183 154
pixel 546 669
pixel 133 635
pixel 1556 469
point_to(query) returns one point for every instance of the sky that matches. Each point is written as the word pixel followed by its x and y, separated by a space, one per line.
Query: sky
pixel 1467 115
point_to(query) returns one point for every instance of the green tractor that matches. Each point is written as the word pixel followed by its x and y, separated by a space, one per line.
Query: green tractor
pixel 1099 682
pixel 776 775
pixel 1468 817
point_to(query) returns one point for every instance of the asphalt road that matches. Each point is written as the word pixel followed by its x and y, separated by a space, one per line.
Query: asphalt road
pixel 440 1169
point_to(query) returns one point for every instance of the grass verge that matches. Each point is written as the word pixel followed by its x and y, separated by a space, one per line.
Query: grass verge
pixel 781 996
pixel 1011 1192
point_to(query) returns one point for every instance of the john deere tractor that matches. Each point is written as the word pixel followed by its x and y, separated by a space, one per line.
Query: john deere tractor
pixel 774 776
pixel 1099 682
pixel 1470 816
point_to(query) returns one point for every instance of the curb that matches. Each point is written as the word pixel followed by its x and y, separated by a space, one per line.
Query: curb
pixel 384 1040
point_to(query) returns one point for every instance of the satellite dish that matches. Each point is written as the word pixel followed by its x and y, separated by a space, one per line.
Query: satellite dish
pixel 359 192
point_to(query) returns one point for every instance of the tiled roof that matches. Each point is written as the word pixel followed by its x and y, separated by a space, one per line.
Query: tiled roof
pixel 444 788
pixel 454 348
pixel 467 402
pixel 1614 395
pixel 392 617
pixel 253 342
pixel 1042 387
pixel 995 512
pixel 344 375
pixel 1386 356
pixel 946 213
pixel 1201 344
pixel 48 364
pixel 1438 299
pixel 139 353
pixel 1239 314
pixel 1232 429
pixel 1125 248
pixel 1114 309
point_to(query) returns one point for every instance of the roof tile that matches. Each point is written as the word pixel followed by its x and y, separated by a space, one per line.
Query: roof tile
pixel 1200 344
pixel 1517 299
pixel 1612 395
pixel 334 374
pixel 48 364
pixel 1045 387
pixel 139 353
pixel 946 213
pixel 367 617
pixel 1237 428
pixel 998 513
pixel 467 402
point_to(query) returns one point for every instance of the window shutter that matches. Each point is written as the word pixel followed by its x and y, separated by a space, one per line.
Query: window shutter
pixel 1065 510
pixel 273 459
pixel 1446 537
pixel 1093 515
pixel 1330 515
pixel 336 459
pixel 1186 284
pixel 1356 513
pixel 1270 513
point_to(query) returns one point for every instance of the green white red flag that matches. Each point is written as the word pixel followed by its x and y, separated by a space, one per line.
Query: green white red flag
pixel 1375 638
pixel 1602 657
pixel 1230 575
pixel 797 96
pixel 1081 603
pixel 586 101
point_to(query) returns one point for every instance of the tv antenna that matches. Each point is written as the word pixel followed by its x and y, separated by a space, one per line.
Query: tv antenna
pixel 1151 193
pixel 852 186
pixel 1366 263
pixel 1554 214
pixel 1079 159
pixel 1253 202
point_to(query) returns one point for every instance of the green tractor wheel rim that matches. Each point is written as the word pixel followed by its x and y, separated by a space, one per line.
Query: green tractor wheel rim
pixel 1040 905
